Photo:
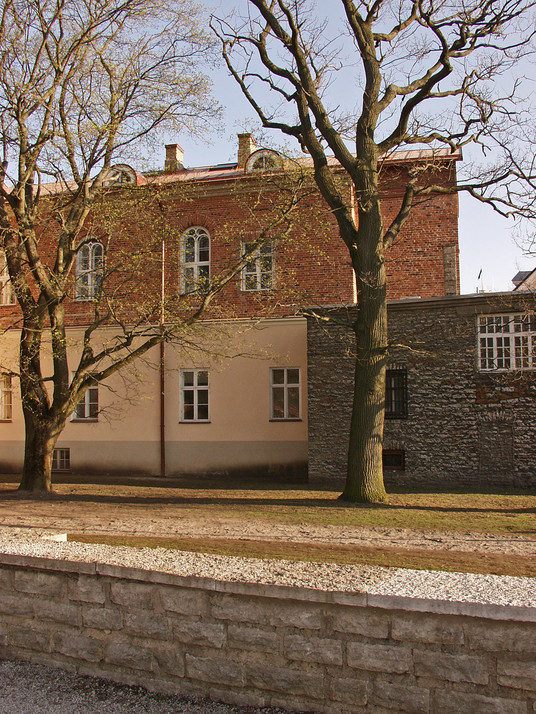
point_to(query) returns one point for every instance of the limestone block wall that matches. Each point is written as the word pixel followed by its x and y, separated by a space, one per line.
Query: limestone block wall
pixel 259 645
pixel 463 427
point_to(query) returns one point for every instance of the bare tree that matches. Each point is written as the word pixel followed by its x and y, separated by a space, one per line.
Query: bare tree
pixel 422 74
pixel 82 83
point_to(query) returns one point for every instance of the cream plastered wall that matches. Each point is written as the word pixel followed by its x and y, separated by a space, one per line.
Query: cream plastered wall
pixel 239 435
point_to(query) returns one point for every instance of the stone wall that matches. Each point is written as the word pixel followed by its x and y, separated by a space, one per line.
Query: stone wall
pixel 463 427
pixel 260 645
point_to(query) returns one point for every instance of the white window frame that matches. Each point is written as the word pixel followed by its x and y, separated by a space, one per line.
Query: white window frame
pixel 87 408
pixel 253 274
pixel 506 342
pixel 195 268
pixel 6 397
pixel 7 294
pixel 89 275
pixel 193 383
pixel 61 459
pixel 285 387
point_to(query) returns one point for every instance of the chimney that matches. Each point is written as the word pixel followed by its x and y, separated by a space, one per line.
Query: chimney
pixel 246 146
pixel 174 158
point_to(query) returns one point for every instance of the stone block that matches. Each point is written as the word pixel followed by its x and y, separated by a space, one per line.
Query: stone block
pixel 350 690
pixel 133 595
pixel 453 668
pixel 416 627
pixel 400 698
pixel 238 609
pixel 199 633
pixel 215 670
pixel 39 583
pixel 361 621
pixel 102 618
pixel 169 657
pixel 6 582
pixel 126 655
pixel 17 605
pixel 184 601
pixel 74 644
pixel 500 637
pixel 447 702
pixel 56 611
pixel 87 589
pixel 380 658
pixel 297 615
pixel 147 624
pixel 517 674
pixel 252 638
pixel 31 638
pixel 295 682
pixel 313 649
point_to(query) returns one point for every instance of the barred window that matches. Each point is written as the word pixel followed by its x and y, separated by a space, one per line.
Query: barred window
pixel 396 393
pixel 507 342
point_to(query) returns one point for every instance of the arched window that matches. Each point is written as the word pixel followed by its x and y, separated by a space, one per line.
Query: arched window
pixel 7 295
pixel 89 269
pixel 263 160
pixel 195 260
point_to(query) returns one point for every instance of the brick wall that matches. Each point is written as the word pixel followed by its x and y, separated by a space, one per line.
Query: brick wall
pixel 312 263
pixel 261 645
pixel 463 428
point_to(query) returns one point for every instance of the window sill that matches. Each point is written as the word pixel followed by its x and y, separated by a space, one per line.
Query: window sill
pixel 6 421
pixel 194 421
pixel 280 420
pixel 84 421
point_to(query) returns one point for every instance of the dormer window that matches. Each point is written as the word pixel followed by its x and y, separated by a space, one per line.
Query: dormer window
pixel 120 175
pixel 263 160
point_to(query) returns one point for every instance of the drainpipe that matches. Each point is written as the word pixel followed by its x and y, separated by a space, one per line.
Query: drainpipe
pixel 162 411
pixel 162 367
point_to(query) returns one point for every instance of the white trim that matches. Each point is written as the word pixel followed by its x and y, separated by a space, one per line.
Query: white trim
pixel 284 387
pixel 506 342
pixel 196 390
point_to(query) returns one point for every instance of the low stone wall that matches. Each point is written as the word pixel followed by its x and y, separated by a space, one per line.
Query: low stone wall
pixel 265 645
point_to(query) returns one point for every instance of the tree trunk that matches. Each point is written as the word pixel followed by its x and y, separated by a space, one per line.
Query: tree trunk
pixel 364 482
pixel 38 453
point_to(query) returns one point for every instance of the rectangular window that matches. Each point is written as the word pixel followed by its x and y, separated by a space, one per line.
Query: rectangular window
pixel 394 459
pixel 285 393
pixel 61 460
pixel 506 342
pixel 194 395
pixel 7 296
pixel 87 408
pixel 396 394
pixel 6 398
pixel 258 272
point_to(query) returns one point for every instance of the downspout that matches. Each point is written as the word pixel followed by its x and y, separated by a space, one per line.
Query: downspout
pixel 162 370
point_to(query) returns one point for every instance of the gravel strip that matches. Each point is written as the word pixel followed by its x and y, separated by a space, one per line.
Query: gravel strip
pixel 29 688
pixel 456 587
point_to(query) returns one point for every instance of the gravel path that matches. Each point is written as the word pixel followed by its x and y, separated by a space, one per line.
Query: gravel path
pixel 30 688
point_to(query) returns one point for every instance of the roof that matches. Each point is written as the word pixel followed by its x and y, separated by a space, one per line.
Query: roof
pixel 525 280
pixel 220 172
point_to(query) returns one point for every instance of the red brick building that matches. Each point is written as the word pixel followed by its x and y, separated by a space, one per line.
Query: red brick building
pixel 237 401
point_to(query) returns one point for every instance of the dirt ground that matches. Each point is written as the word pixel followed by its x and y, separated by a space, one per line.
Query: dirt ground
pixel 154 510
